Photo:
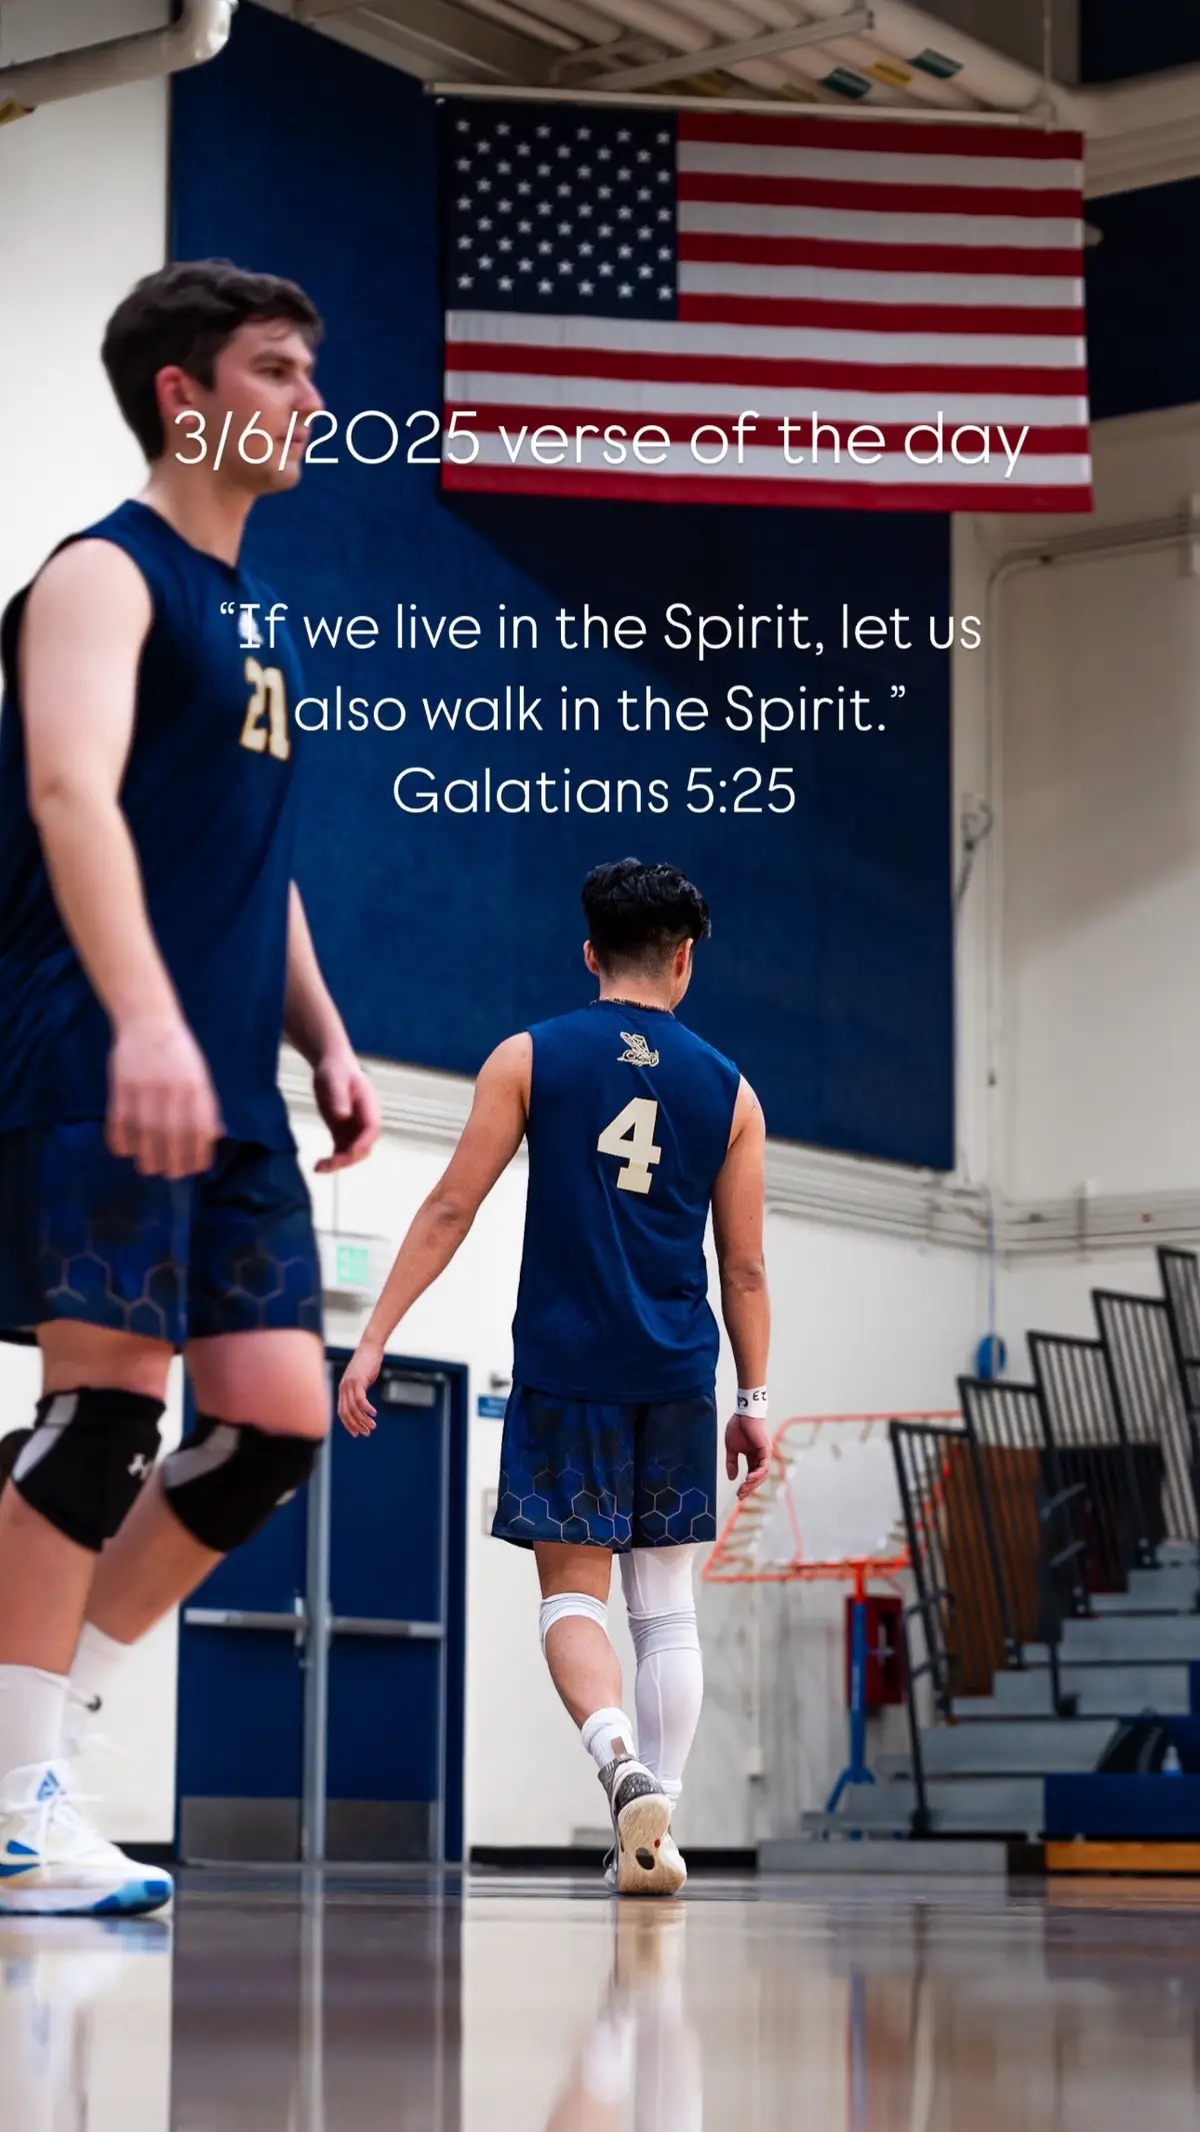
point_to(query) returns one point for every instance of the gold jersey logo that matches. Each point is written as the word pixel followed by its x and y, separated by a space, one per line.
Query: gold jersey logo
pixel 639 1052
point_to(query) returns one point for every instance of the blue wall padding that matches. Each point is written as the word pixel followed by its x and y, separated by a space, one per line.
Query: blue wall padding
pixel 1144 300
pixel 1119 41
pixel 829 976
pixel 1112 1807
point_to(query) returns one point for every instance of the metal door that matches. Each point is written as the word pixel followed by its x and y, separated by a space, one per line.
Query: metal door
pixel 313 1707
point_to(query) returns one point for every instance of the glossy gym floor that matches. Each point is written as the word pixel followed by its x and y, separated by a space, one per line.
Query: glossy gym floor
pixel 539 2005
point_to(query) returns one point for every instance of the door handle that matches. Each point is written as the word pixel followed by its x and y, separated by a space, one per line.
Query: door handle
pixel 370 1625
pixel 295 1624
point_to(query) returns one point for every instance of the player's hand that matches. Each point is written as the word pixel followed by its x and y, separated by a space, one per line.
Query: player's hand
pixel 350 1108
pixel 355 1411
pixel 162 1106
pixel 751 1440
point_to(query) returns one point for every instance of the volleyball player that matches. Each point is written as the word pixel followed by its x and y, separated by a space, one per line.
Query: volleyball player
pixel 635 1129
pixel 153 951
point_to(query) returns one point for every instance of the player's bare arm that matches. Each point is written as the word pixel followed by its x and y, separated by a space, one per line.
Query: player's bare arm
pixel 81 640
pixel 490 1138
pixel 737 1204
pixel 345 1097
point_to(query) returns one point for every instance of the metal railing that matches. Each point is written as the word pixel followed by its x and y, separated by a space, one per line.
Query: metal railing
pixel 1033 1514
pixel 954 1557
pixel 995 1551
pixel 1084 1421
pixel 927 1612
pixel 1180 1271
pixel 1136 1331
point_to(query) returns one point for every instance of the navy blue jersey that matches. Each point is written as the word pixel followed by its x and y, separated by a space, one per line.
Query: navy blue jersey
pixel 209 793
pixel 629 1122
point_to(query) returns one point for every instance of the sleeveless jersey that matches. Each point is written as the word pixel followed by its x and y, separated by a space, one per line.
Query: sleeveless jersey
pixel 629 1122
pixel 209 795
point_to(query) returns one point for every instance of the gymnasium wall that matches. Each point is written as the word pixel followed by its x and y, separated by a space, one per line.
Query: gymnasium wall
pixel 829 974
pixel 1143 311
pixel 1118 41
pixel 82 214
pixel 1101 844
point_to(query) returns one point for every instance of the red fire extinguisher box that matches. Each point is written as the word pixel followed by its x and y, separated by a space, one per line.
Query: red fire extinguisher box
pixel 885 1659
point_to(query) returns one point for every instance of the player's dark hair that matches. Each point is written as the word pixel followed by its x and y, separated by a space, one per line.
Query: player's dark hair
pixel 637 915
pixel 185 314
pixel 11 1447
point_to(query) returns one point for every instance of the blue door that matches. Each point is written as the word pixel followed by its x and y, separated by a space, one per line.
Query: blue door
pixel 320 1671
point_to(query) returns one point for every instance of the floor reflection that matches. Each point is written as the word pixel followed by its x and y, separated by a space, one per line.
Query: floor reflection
pixel 85 2025
pixel 362 2005
pixel 642 2053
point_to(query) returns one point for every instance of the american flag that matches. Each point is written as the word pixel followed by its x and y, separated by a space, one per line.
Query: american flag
pixel 608 267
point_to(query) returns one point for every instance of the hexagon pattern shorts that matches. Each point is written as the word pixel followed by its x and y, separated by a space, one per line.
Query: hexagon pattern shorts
pixel 604 1475
pixel 83 1236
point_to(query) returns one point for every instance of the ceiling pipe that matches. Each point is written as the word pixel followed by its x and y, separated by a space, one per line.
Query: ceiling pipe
pixel 200 33
pixel 920 41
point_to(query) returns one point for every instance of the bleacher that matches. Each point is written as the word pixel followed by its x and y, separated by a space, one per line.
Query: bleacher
pixel 1055 1616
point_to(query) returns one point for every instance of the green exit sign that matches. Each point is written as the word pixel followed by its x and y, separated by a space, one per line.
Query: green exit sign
pixel 353 1266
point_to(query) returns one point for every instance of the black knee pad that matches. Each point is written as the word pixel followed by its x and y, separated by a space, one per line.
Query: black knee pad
pixel 87 1457
pixel 225 1481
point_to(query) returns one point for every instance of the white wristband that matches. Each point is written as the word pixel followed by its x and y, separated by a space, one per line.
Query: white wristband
pixel 754 1402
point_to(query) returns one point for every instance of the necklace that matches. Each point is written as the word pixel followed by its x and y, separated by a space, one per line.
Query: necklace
pixel 638 1006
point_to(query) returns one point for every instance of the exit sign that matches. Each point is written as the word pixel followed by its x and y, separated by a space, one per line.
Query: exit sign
pixel 353 1264
pixel 353 1268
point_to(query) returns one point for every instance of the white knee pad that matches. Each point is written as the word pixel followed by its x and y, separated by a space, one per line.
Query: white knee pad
pixel 563 1605
pixel 659 1599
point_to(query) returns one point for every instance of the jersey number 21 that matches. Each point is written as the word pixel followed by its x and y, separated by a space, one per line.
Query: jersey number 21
pixel 630 1137
pixel 265 731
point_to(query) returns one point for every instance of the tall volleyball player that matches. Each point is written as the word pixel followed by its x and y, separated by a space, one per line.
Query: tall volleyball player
pixel 635 1129
pixel 153 951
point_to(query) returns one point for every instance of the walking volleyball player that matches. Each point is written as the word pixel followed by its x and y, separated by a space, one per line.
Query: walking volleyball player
pixel 635 1128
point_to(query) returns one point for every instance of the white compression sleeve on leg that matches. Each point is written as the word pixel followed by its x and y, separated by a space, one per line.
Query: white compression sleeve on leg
pixel 670 1675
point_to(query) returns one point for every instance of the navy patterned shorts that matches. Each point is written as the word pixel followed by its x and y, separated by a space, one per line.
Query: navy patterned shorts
pixel 604 1475
pixel 83 1236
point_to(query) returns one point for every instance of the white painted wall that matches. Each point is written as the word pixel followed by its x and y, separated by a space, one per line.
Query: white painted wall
pixel 1054 1295
pixel 82 215
pixel 1101 835
pixel 83 190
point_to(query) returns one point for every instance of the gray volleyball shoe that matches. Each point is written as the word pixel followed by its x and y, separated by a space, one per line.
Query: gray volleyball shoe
pixel 644 1859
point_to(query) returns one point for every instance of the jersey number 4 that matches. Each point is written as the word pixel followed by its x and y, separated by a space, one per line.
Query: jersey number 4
pixel 268 702
pixel 630 1137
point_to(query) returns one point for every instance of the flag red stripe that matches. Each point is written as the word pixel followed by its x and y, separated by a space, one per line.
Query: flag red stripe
pixel 729 310
pixel 526 359
pixel 681 428
pixel 736 248
pixel 859 135
pixel 758 189
pixel 804 495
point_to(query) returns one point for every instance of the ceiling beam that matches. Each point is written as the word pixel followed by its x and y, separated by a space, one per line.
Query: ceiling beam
pixel 681 64
pixel 434 33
